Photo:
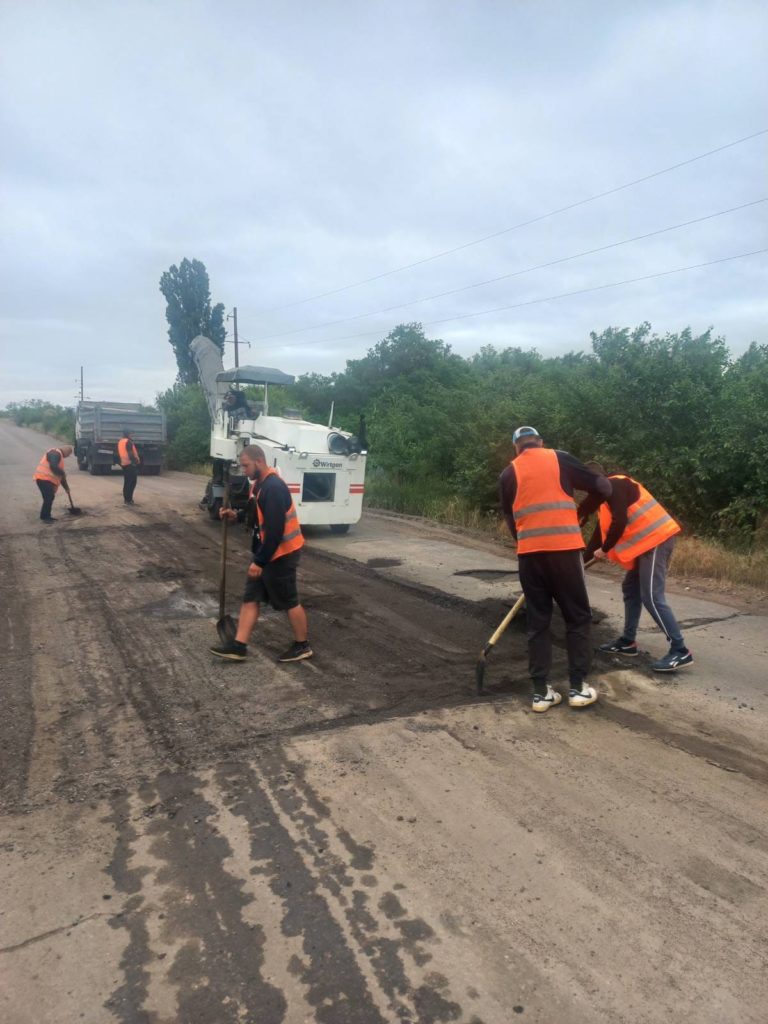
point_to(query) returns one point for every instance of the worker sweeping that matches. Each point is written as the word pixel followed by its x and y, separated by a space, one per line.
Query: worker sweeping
pixel 129 463
pixel 276 549
pixel 49 476
pixel 536 493
pixel 635 531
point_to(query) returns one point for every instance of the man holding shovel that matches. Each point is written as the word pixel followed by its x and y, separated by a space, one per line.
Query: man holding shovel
pixel 536 492
pixel 276 549
pixel 49 475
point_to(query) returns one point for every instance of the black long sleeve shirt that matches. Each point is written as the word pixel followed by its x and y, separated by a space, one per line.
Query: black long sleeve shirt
pixel 574 475
pixel 274 500
pixel 624 493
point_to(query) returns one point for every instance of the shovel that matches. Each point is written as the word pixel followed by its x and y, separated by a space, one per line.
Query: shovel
pixel 73 509
pixel 226 627
pixel 480 666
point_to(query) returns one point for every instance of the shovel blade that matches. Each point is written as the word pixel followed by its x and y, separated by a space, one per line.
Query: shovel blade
pixel 75 511
pixel 226 627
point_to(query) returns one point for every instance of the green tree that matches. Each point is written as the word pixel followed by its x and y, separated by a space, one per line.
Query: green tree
pixel 189 425
pixel 189 312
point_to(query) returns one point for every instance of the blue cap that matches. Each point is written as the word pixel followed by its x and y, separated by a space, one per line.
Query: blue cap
pixel 524 432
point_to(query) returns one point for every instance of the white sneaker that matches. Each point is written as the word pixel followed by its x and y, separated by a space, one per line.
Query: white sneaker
pixel 582 698
pixel 551 700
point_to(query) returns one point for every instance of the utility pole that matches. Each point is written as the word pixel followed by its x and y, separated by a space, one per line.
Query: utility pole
pixel 81 383
pixel 234 318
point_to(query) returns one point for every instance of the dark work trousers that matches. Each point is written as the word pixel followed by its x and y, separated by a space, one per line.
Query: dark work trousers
pixel 644 585
pixel 48 491
pixel 548 576
pixel 130 476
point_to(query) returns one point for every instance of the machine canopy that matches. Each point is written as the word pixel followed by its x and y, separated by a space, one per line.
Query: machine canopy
pixel 254 375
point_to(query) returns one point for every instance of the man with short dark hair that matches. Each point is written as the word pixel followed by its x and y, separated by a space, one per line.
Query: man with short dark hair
pixel 49 476
pixel 536 493
pixel 635 531
pixel 129 462
pixel 276 548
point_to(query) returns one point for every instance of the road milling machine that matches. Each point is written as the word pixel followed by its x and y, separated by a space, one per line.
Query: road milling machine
pixel 324 467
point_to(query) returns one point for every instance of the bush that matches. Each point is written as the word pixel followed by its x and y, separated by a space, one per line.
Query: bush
pixel 188 423
pixel 55 420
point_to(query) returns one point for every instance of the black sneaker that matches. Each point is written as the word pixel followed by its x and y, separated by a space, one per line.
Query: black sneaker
pixel 628 648
pixel 297 652
pixel 672 661
pixel 232 651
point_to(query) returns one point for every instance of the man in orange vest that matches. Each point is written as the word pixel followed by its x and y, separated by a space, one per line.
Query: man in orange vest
pixel 536 493
pixel 276 547
pixel 49 475
pixel 635 531
pixel 129 462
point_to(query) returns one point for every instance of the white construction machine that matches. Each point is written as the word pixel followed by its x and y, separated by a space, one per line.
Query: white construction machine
pixel 324 467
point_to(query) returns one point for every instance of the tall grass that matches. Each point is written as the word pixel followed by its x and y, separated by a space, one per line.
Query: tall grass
pixel 697 557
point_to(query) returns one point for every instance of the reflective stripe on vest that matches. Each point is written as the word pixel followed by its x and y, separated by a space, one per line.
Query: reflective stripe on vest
pixel 124 446
pixel 545 516
pixel 292 539
pixel 648 525
pixel 45 471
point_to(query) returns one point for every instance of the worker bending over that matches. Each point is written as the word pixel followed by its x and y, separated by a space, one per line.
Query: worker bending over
pixel 49 475
pixel 536 493
pixel 276 547
pixel 635 531
pixel 129 463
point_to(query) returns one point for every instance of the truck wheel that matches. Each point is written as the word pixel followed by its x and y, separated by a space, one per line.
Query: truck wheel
pixel 340 528
pixel 82 463
pixel 213 510
pixel 91 466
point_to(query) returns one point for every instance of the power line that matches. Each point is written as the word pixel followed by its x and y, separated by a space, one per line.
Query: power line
pixel 516 227
pixel 514 273
pixel 566 295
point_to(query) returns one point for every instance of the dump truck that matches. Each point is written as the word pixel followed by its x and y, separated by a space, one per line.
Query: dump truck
pixel 100 425
pixel 323 466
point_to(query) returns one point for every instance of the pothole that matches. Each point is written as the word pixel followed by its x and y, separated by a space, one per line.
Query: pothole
pixel 383 563
pixel 489 575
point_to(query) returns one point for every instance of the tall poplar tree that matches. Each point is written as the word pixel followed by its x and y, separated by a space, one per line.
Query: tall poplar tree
pixel 189 312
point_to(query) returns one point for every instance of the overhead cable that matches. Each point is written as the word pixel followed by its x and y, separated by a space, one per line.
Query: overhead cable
pixel 561 295
pixel 514 273
pixel 516 227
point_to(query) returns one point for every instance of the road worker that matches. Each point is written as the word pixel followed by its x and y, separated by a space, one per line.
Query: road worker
pixel 49 475
pixel 536 493
pixel 635 531
pixel 276 549
pixel 129 463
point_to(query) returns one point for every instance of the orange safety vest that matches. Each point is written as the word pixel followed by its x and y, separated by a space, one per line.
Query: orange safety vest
pixel 545 515
pixel 124 446
pixel 292 538
pixel 45 472
pixel 648 525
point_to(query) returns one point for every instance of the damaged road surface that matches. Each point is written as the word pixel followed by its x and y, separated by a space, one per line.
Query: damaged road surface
pixel 358 838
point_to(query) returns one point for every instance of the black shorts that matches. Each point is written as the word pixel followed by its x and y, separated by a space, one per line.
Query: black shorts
pixel 276 585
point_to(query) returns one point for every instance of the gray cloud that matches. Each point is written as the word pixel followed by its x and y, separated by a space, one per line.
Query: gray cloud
pixel 296 148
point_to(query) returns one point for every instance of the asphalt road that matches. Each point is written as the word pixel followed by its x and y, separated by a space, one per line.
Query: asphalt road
pixel 357 838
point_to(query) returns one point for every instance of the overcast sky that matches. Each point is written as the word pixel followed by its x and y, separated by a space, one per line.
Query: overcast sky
pixel 299 147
